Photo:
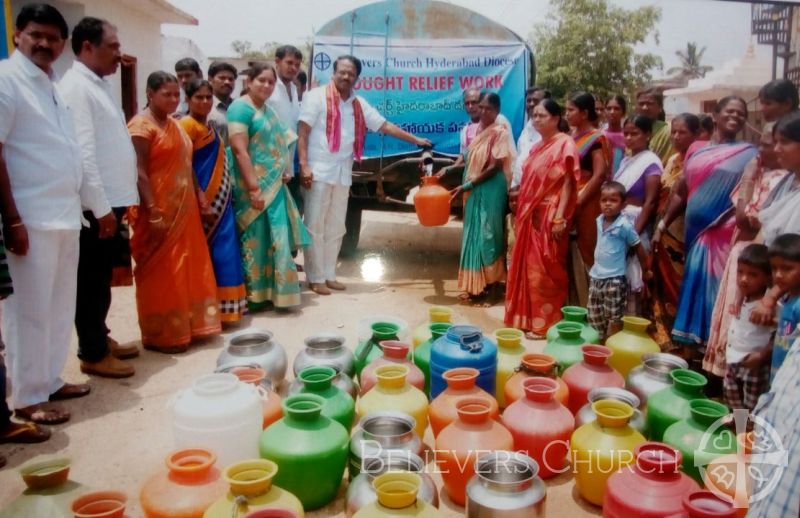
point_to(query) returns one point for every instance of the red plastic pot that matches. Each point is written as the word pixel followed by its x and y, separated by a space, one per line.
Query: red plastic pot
pixel 651 487
pixel 394 351
pixel 705 504
pixel 541 426
pixel 592 372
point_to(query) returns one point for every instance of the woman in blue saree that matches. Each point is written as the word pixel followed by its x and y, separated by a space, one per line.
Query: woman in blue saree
pixel 711 174
pixel 210 166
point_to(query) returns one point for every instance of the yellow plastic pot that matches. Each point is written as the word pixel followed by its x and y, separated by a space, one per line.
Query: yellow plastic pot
pixel 397 496
pixel 393 393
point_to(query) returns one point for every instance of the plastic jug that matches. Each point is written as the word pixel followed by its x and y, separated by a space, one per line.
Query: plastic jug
pixel 432 203
pixel 463 346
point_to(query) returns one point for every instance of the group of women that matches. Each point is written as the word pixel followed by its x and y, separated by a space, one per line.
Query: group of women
pixel 216 227
pixel 694 211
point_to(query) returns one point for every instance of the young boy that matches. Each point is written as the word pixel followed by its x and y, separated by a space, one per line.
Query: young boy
pixel 784 256
pixel 747 356
pixel 608 286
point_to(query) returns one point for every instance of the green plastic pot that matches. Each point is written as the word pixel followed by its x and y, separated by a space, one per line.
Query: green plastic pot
pixel 422 354
pixel 309 449
pixel 370 349
pixel 566 348
pixel 670 405
pixel 338 406
pixel 575 315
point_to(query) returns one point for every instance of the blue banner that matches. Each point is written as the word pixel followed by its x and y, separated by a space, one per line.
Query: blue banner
pixel 419 85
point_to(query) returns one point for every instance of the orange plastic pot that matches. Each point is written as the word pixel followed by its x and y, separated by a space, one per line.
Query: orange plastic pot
pixel 460 385
pixel 100 504
pixel 271 408
pixel 394 352
pixel 592 372
pixel 432 203
pixel 541 426
pixel 535 364
pixel 189 486
pixel 460 444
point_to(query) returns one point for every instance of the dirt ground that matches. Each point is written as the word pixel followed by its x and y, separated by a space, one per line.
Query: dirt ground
pixel 120 434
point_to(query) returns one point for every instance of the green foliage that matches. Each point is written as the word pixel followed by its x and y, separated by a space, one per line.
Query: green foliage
pixel 244 49
pixel 591 45
pixel 691 65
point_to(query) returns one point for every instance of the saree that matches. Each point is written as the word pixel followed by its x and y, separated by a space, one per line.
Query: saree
pixel 581 254
pixel 537 280
pixel 668 260
pixel 268 236
pixel 176 294
pixel 660 141
pixel 714 359
pixel 712 173
pixel 616 141
pixel 482 260
pixel 210 165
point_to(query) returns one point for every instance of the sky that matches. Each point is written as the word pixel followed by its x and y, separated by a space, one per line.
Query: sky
pixel 722 27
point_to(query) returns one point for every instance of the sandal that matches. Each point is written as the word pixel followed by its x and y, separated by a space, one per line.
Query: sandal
pixel 24 433
pixel 70 391
pixel 42 414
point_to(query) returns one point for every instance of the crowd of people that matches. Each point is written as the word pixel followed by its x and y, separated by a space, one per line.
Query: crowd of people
pixel 626 214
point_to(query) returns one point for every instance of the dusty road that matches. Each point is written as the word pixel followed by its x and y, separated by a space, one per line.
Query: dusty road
pixel 119 435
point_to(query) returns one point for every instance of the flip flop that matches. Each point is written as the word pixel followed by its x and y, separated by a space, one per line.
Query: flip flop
pixel 40 414
pixel 24 433
pixel 70 391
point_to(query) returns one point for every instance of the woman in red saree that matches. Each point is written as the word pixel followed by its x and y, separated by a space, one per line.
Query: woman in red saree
pixel 176 292
pixel 537 281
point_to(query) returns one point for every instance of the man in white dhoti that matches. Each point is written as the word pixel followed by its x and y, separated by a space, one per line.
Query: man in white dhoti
pixel 333 125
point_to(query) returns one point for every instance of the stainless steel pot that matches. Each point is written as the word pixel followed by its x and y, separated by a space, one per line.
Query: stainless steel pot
pixel 340 380
pixel 505 485
pixel 381 432
pixel 653 375
pixel 360 492
pixel 325 350
pixel 587 415
pixel 255 346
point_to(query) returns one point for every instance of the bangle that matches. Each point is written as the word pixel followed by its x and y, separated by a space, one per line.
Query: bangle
pixel 662 226
pixel 467 186
pixel 16 224
pixel 157 220
pixel 559 221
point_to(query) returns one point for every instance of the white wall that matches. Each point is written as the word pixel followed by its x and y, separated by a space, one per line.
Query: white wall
pixel 140 36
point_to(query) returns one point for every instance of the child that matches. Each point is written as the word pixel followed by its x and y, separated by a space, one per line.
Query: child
pixel 784 256
pixel 747 354
pixel 608 286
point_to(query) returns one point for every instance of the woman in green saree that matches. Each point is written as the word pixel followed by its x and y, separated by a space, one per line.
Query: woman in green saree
pixel 268 221
pixel 486 178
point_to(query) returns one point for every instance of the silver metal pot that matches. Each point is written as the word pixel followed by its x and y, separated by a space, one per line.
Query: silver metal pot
pixel 505 485
pixel 587 415
pixel 381 432
pixel 360 492
pixel 255 346
pixel 340 380
pixel 653 375
pixel 327 350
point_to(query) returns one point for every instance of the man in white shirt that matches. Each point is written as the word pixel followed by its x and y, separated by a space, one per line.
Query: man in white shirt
pixel 285 100
pixel 41 192
pixel 333 123
pixel 222 77
pixel 529 136
pixel 109 162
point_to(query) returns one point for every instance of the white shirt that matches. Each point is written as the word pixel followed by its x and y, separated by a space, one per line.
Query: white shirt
pixel 334 168
pixel 39 147
pixel 527 139
pixel 744 337
pixel 109 160
pixel 287 108
pixel 218 118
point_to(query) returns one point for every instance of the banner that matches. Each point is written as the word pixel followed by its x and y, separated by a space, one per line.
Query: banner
pixel 6 31
pixel 419 84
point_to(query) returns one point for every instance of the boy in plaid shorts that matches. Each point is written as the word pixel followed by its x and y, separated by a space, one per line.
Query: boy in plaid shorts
pixel 747 355
pixel 608 286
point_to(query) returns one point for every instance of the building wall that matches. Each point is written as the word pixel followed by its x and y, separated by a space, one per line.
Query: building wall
pixel 140 36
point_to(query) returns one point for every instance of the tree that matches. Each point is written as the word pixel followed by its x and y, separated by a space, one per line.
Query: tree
pixel 691 60
pixel 244 49
pixel 590 45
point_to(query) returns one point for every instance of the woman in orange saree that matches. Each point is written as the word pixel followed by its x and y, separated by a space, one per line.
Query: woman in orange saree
pixel 537 281
pixel 594 152
pixel 176 293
